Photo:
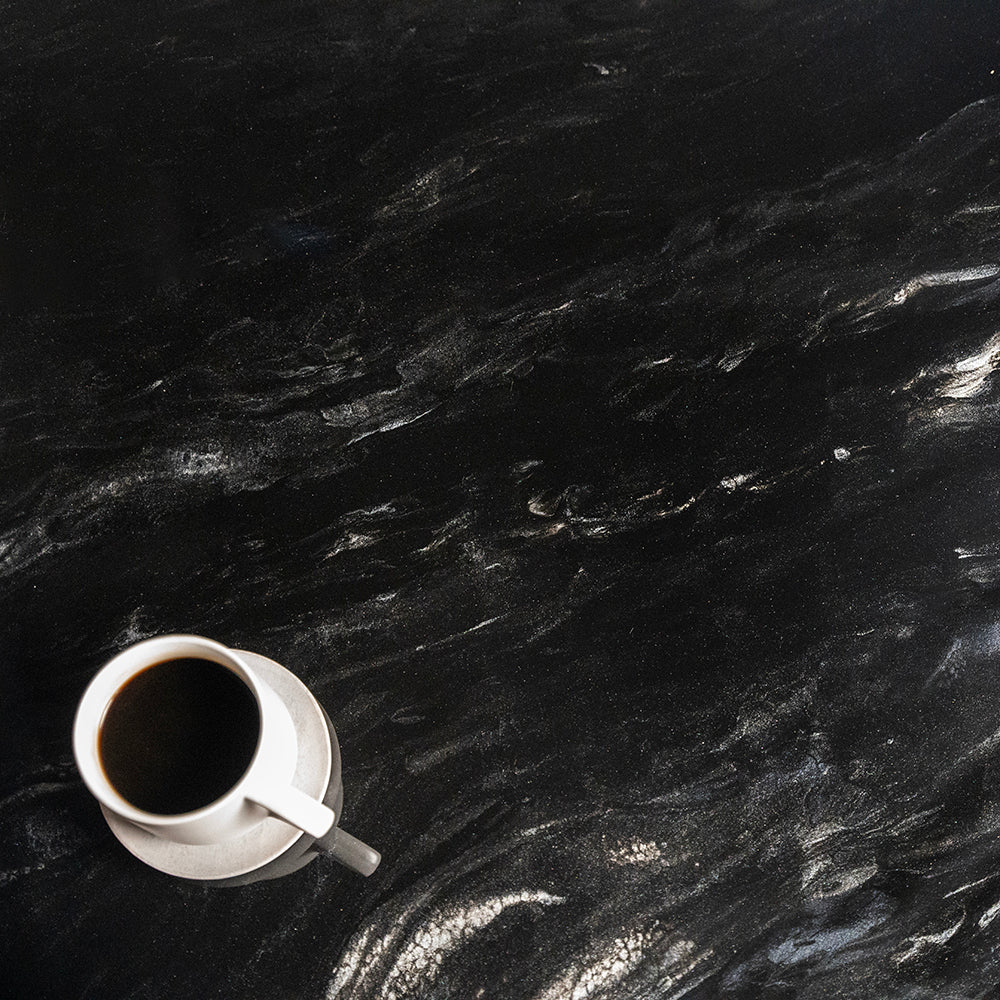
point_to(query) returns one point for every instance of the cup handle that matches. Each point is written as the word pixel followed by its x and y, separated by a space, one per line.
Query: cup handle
pixel 295 807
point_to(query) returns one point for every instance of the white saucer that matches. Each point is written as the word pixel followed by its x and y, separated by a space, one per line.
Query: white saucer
pixel 272 837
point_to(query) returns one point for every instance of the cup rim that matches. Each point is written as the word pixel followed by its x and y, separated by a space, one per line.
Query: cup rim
pixel 103 687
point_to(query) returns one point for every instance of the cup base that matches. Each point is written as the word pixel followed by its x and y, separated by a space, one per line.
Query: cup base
pixel 273 848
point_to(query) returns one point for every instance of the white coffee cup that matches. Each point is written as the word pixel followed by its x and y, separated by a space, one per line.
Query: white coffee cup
pixel 265 788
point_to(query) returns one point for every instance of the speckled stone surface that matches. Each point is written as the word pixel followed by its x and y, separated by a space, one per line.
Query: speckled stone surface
pixel 595 405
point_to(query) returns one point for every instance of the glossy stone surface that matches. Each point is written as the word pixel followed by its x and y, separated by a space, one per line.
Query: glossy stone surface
pixel 594 404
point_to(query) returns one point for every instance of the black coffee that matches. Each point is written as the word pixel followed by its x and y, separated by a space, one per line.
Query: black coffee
pixel 178 735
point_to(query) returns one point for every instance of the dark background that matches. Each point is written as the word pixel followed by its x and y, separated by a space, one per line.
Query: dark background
pixel 594 404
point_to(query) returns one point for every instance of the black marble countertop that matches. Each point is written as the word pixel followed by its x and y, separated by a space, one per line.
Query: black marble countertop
pixel 595 404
